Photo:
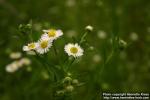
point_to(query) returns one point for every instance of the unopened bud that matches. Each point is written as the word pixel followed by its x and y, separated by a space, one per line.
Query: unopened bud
pixel 89 28
pixel 122 44
pixel 67 80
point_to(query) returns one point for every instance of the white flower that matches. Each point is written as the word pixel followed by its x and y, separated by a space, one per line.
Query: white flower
pixel 12 67
pixel 25 61
pixel 43 46
pixel 52 34
pixel 15 55
pixel 73 50
pixel 89 28
pixel 30 46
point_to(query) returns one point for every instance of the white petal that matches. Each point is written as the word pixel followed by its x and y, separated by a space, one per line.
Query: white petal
pixel 25 48
pixel 45 31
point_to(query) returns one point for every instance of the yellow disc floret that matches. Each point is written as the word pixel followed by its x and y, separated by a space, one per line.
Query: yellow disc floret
pixel 31 45
pixel 52 33
pixel 73 50
pixel 44 44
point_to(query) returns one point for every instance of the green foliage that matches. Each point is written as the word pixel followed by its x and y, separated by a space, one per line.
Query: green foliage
pixel 116 52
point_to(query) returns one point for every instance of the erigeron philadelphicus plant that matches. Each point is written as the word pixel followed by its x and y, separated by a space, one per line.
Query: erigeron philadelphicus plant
pixel 46 42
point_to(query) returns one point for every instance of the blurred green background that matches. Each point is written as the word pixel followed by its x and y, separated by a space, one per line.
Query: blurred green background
pixel 127 71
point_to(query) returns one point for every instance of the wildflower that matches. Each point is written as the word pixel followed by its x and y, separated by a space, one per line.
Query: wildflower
pixel 12 67
pixel 30 46
pixel 15 55
pixel 73 50
pixel 52 34
pixel 43 46
pixel 89 28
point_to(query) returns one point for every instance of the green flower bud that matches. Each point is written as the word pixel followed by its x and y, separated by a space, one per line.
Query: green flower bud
pixel 61 92
pixel 69 88
pixel 68 74
pixel 67 80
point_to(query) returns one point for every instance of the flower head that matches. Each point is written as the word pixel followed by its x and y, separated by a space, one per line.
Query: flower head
pixel 30 46
pixel 52 34
pixel 12 67
pixel 73 50
pixel 43 45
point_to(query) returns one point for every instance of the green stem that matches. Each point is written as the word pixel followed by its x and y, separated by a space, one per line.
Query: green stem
pixel 83 37
pixel 71 63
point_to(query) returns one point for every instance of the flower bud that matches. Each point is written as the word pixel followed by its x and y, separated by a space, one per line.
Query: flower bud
pixel 89 28
pixel 67 80
pixel 69 88
pixel 122 44
pixel 68 74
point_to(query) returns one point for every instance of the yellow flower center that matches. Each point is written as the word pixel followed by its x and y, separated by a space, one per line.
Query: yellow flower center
pixel 52 33
pixel 44 44
pixel 74 50
pixel 31 46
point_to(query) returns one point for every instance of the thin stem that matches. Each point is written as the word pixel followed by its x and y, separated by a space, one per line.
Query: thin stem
pixel 83 37
pixel 31 31
pixel 71 63
pixel 55 50
pixel 45 64
pixel 109 57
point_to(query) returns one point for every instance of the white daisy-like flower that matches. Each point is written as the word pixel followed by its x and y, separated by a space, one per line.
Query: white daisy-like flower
pixel 43 46
pixel 12 67
pixel 30 46
pixel 52 34
pixel 73 50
